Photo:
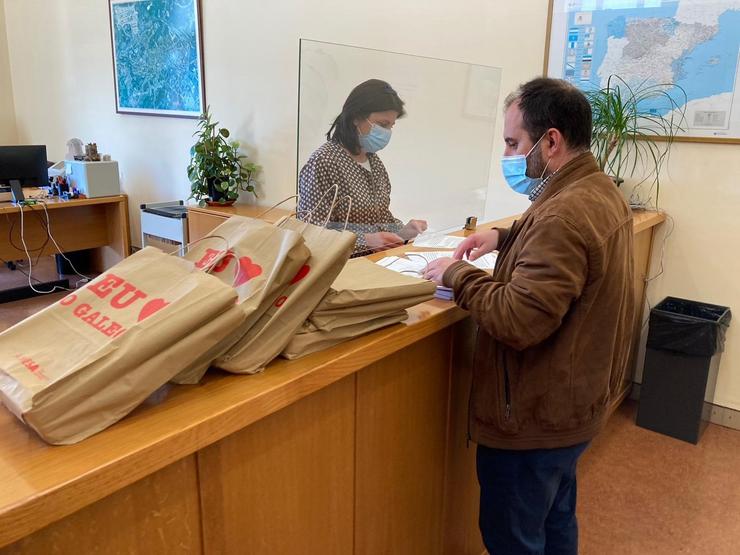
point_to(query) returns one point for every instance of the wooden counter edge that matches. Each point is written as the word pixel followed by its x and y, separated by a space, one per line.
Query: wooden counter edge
pixel 53 204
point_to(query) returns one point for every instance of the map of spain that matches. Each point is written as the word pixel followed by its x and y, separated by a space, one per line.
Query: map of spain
pixel 691 44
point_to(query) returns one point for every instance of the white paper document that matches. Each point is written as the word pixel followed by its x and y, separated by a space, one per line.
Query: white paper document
pixel 415 262
pixel 485 262
pixel 438 241
pixel 404 265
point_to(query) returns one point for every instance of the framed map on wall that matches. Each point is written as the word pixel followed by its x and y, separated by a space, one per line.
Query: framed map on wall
pixel 157 57
pixel 692 44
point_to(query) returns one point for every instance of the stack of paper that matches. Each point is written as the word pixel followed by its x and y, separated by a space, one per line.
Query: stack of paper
pixel 485 262
pixel 415 262
pixel 444 293
pixel 438 241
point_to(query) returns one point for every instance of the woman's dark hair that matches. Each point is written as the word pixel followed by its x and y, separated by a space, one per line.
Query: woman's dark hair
pixel 553 103
pixel 371 96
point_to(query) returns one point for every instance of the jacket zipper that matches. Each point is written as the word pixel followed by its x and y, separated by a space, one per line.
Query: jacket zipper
pixel 507 390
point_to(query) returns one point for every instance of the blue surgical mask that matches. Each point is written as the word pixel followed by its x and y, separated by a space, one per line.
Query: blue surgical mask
pixel 515 171
pixel 377 138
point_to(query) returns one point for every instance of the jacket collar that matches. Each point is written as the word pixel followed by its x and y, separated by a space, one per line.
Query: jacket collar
pixel 579 167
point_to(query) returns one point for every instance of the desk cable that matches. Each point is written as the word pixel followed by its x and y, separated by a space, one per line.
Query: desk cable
pixel 649 280
pixel 84 279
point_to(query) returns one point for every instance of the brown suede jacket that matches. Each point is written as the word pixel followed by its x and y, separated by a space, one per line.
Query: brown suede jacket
pixel 555 320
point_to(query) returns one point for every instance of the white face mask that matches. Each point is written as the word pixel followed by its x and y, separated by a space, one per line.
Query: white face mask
pixel 515 171
pixel 377 138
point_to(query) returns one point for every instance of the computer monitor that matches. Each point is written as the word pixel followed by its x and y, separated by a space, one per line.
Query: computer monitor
pixel 24 164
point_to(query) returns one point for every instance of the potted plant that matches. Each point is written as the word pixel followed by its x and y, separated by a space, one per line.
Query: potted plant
pixel 217 170
pixel 635 127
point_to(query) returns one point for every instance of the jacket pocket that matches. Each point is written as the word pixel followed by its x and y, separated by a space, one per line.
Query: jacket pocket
pixel 573 397
pixel 493 403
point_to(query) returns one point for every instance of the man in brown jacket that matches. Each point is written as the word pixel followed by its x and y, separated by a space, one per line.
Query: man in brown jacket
pixel 554 322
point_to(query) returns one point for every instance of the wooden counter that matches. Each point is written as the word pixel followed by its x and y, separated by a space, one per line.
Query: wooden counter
pixel 357 449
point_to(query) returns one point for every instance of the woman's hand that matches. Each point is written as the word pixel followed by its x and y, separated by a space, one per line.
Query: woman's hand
pixel 476 245
pixel 412 229
pixel 382 240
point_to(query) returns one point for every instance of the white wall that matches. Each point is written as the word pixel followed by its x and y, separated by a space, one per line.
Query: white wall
pixel 63 87
pixel 64 84
pixel 701 192
pixel 8 133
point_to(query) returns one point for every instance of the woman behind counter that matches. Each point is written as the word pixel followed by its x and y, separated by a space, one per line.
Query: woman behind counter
pixel 349 160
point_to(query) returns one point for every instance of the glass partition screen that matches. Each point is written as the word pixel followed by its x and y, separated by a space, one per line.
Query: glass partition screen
pixel 439 155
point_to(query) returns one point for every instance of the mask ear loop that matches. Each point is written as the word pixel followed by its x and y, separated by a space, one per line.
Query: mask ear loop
pixel 542 175
pixel 535 145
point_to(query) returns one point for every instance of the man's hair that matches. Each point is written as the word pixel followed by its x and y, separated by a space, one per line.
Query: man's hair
pixel 553 103
pixel 371 96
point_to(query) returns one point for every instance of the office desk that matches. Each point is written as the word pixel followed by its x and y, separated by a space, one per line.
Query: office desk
pixel 360 448
pixel 101 224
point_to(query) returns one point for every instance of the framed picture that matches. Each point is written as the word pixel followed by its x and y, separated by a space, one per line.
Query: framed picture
pixel 689 47
pixel 158 57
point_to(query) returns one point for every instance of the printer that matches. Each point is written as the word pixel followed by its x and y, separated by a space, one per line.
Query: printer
pixel 93 179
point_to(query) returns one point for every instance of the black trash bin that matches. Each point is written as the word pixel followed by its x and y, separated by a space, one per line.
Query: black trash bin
pixel 685 342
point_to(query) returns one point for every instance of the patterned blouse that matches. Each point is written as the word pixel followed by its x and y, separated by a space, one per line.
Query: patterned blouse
pixel 370 191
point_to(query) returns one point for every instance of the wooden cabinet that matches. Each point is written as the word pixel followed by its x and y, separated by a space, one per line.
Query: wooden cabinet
pixel 201 221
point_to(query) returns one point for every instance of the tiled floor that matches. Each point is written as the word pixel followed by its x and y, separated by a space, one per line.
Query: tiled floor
pixel 644 493
pixel 44 270
pixel 11 313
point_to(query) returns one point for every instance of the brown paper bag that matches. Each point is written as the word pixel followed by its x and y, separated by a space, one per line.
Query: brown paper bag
pixel 307 342
pixel 260 260
pixel 84 362
pixel 233 321
pixel 366 290
pixel 329 319
pixel 363 282
pixel 265 340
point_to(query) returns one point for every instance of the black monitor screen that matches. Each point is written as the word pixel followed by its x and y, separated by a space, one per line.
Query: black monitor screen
pixel 26 164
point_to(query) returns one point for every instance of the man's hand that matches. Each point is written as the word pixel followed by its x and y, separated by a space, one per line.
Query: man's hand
pixel 412 229
pixel 382 240
pixel 437 268
pixel 476 245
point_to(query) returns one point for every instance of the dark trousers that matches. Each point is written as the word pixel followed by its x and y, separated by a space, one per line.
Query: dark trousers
pixel 528 500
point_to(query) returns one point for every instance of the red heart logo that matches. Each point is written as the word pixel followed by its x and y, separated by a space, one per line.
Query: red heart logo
pixel 207 258
pixel 223 263
pixel 303 272
pixel 155 305
pixel 247 271
pixel 280 301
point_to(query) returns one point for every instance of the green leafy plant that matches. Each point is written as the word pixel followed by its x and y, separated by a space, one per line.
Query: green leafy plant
pixel 635 128
pixel 217 170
